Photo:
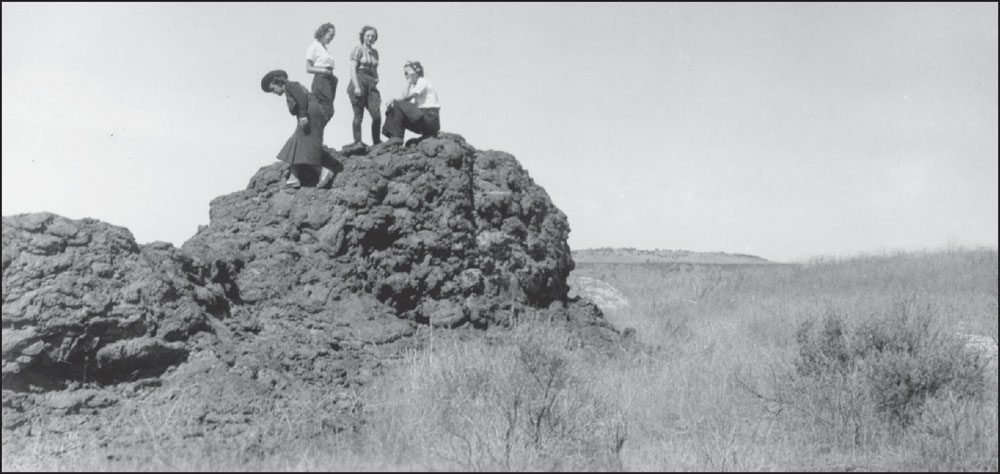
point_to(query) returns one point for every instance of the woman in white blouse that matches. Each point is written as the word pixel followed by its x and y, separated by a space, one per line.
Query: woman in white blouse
pixel 319 62
pixel 417 110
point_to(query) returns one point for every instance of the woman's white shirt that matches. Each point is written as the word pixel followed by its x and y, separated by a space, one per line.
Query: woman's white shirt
pixel 426 94
pixel 318 54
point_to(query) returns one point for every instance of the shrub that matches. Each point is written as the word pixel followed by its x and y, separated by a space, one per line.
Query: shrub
pixel 824 350
pixel 895 362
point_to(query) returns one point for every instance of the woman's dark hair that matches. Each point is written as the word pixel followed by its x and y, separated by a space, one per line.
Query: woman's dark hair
pixel 325 27
pixel 361 36
pixel 416 66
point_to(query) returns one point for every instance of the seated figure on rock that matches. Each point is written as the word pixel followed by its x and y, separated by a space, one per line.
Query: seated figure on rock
pixel 417 110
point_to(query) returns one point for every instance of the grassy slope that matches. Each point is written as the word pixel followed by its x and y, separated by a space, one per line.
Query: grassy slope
pixel 533 399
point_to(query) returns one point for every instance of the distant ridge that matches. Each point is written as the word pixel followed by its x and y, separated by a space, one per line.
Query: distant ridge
pixel 631 255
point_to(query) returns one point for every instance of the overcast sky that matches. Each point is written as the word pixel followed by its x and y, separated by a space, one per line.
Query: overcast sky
pixel 780 130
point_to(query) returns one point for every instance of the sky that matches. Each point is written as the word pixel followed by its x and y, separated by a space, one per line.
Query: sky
pixel 786 131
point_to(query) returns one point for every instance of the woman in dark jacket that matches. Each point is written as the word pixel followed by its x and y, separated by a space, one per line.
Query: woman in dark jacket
pixel 305 146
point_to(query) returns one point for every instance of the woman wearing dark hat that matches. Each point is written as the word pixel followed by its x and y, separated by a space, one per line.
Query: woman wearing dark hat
pixel 305 146
pixel 362 90
pixel 417 110
pixel 319 62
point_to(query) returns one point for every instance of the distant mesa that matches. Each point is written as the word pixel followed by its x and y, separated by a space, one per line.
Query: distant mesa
pixel 631 255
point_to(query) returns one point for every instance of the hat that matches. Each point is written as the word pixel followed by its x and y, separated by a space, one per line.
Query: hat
pixel 265 83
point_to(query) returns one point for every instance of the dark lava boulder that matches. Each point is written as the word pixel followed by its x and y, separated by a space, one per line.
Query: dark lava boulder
pixel 438 232
pixel 83 302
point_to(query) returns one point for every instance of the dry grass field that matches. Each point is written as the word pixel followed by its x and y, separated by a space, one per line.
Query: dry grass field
pixel 860 363
pixel 768 367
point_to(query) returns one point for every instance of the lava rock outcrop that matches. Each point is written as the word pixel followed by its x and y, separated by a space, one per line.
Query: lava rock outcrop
pixel 284 293
pixel 439 232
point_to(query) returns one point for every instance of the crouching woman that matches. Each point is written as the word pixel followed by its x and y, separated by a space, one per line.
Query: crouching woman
pixel 418 110
pixel 305 147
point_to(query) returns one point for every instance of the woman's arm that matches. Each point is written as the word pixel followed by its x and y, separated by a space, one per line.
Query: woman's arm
pixel 412 91
pixel 355 59
pixel 311 69
pixel 301 100
pixel 354 77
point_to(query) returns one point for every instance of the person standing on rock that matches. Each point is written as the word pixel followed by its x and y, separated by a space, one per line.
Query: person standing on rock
pixel 417 110
pixel 305 146
pixel 319 63
pixel 362 90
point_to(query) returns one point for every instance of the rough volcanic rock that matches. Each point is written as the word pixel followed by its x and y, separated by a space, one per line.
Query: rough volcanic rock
pixel 520 235
pixel 284 295
pixel 83 302
pixel 290 284
pixel 438 232
pixel 431 233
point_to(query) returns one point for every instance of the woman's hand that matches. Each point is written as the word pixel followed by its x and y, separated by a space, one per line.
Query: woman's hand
pixel 304 122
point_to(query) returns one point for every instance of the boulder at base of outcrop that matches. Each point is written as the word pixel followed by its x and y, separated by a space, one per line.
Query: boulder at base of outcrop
pixel 82 302
pixel 607 297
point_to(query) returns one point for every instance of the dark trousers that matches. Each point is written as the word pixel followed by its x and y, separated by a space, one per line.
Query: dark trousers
pixel 405 115
pixel 324 87
pixel 370 99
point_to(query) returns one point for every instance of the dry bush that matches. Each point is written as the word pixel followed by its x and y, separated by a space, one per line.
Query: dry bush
pixel 859 384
